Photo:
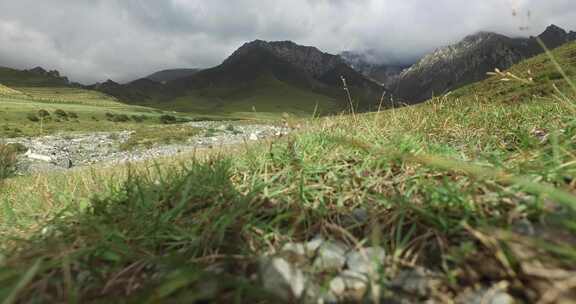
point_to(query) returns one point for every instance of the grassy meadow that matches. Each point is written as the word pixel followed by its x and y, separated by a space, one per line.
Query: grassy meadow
pixel 33 111
pixel 480 189
pixel 266 98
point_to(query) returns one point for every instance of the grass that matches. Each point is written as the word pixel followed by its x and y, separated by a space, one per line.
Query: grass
pixel 7 161
pixel 446 185
pixel 85 111
pixel 265 98
pixel 541 69
pixel 148 137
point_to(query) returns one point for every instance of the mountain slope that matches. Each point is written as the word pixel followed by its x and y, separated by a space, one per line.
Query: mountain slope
pixel 37 77
pixel 172 74
pixel 540 69
pixel 263 76
pixel 305 68
pixel 469 60
pixel 7 91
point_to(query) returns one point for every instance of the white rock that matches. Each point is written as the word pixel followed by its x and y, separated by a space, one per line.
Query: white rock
pixel 36 156
pixel 485 295
pixel 331 257
pixel 417 281
pixel 253 136
pixel 313 245
pixel 366 260
pixel 354 280
pixel 295 248
pixel 282 279
pixel 338 286
pixel 295 253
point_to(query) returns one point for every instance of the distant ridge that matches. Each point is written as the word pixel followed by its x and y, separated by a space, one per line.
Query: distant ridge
pixel 172 74
pixel 469 60
pixel 36 77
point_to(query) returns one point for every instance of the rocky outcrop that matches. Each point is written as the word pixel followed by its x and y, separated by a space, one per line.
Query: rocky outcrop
pixel 49 74
pixel 310 59
pixel 469 60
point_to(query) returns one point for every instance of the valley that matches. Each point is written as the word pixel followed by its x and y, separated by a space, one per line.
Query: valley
pixel 289 175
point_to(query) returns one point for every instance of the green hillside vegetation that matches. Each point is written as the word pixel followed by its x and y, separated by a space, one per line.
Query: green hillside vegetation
pixel 540 77
pixel 476 188
pixel 12 78
pixel 32 111
pixel 266 97
pixel 6 91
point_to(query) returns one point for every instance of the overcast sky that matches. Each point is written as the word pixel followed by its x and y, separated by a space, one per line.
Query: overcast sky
pixel 93 40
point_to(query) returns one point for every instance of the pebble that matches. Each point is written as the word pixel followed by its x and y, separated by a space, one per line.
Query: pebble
pixel 338 286
pixel 331 257
pixel 485 296
pixel 366 261
pixel 416 281
pixel 295 253
pixel 313 245
pixel 282 279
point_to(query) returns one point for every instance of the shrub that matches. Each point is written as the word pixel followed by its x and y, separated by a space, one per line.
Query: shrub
pixel 32 117
pixel 7 161
pixel 167 119
pixel 117 117
pixel 120 118
pixel 17 148
pixel 60 113
pixel 43 113
pixel 138 118
pixel 72 115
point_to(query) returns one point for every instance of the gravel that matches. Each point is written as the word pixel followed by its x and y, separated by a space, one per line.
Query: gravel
pixel 84 149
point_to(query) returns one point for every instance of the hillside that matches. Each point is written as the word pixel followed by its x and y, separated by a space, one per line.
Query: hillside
pixel 6 91
pixel 45 103
pixel 463 199
pixel 172 74
pixel 267 77
pixel 34 77
pixel 539 74
pixel 469 60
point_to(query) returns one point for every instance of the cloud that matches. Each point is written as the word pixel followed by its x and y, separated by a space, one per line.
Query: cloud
pixel 92 40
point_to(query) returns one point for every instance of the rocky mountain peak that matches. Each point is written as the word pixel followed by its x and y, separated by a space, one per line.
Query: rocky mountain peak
pixel 470 59
pixel 554 29
pixel 555 35
pixel 307 58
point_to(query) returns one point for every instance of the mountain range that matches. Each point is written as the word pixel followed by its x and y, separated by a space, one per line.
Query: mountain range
pixel 284 76
pixel 266 74
pixel 469 60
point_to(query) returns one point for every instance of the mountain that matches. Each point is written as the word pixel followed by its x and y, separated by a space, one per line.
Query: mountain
pixel 260 76
pixel 141 91
pixel 36 77
pixel 173 74
pixel 469 60
pixel 546 80
pixel 366 63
